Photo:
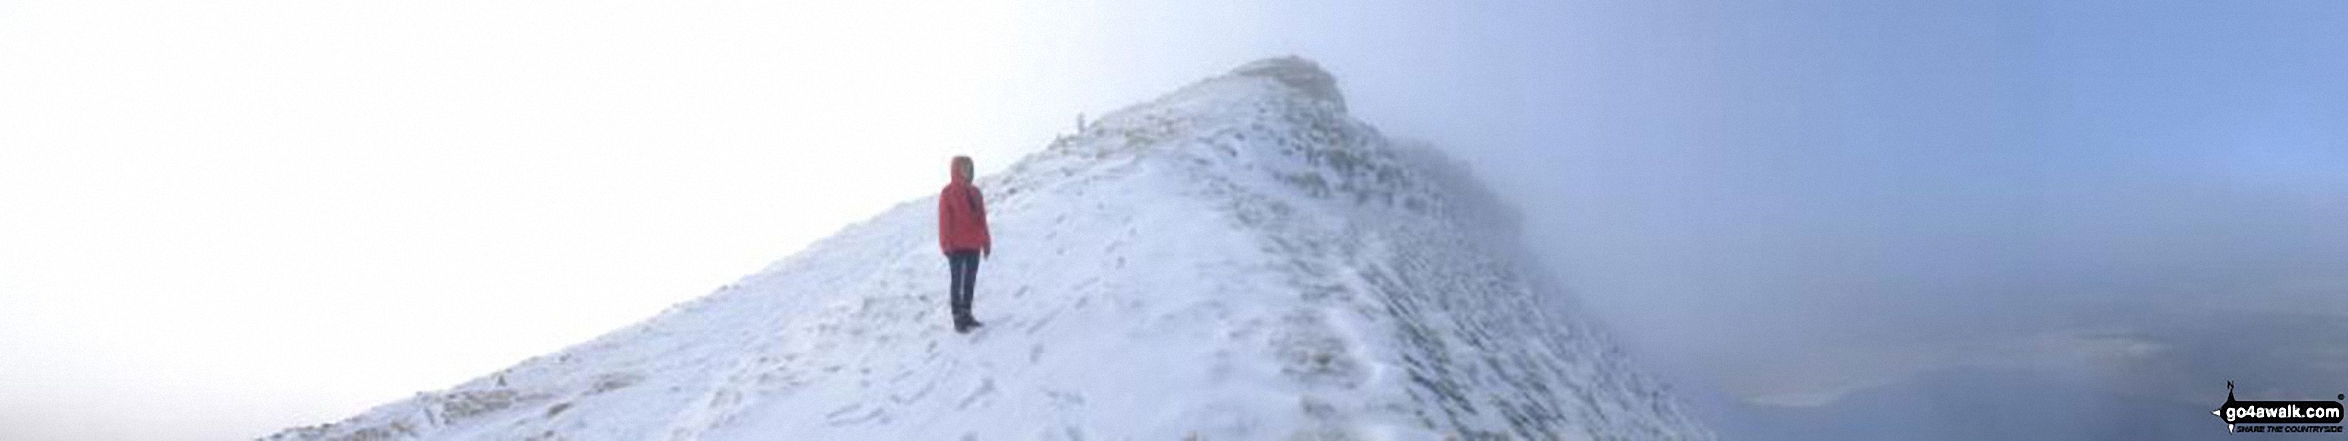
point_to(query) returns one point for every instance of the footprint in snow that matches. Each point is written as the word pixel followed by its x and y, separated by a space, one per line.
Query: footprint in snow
pixel 985 387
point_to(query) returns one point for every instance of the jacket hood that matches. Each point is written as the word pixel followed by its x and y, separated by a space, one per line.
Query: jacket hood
pixel 958 169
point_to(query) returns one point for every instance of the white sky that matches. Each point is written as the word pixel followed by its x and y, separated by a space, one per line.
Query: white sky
pixel 218 219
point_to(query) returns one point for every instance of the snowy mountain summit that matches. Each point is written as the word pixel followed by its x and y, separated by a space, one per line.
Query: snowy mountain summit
pixel 1237 260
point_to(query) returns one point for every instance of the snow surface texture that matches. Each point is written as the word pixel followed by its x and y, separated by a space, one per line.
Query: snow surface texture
pixel 1237 260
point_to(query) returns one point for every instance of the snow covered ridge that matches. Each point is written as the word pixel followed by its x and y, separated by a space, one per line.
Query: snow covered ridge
pixel 1237 260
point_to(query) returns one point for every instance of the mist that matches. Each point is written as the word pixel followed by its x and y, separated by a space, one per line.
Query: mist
pixel 1817 219
pixel 1815 215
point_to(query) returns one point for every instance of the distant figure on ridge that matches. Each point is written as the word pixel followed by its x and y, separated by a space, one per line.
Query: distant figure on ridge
pixel 962 234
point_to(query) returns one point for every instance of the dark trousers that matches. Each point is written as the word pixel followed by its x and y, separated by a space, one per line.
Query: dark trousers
pixel 964 266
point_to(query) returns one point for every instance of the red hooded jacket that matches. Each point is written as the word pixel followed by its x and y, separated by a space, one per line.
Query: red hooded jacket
pixel 962 213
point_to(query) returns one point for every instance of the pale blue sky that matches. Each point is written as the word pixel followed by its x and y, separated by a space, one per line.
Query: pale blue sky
pixel 231 217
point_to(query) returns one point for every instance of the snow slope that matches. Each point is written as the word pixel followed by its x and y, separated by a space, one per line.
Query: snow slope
pixel 1237 260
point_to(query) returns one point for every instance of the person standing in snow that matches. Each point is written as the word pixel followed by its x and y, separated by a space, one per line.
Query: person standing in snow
pixel 962 235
